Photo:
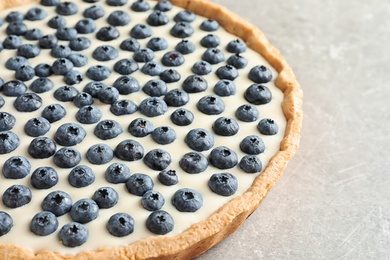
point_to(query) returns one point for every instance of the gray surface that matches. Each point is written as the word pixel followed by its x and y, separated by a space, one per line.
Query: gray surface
pixel 333 200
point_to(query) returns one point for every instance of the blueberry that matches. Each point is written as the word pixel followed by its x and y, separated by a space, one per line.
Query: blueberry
pixel 152 200
pixel 37 126
pixel 83 99
pixel 44 223
pixel 73 234
pixel 16 167
pixel 194 84
pixel 211 105
pixel 140 6
pixel 100 154
pixel 187 200
pixel 84 211
pixel 140 127
pixel 250 164
pixel 157 44
pixel 16 62
pixel 85 26
pixel 14 88
pixel 170 75
pixel 258 94
pixel 108 95
pixel 88 115
pixel 81 176
pixel 28 51
pixel 260 74
pixel 141 31
pixel 60 51
pixel 126 85
pixel 12 42
pixel 236 46
pixel 98 72
pixel 16 196
pixel 225 88
pixel 163 135
pixel 267 126
pixel 7 121
pixel 57 202
pixel 182 117
pixel 123 107
pixel 116 2
pixel 193 162
pixel 223 157
pixel 237 61
pixel 6 223
pixel 117 173
pixel 67 157
pixel 210 41
pixel 56 22
pixel 139 183
pixel 49 2
pixel 48 41
pixel 185 47
pixel 168 177
pixel 182 30
pixel 33 34
pixel 247 113
pixel 61 66
pixel 152 68
pixel 160 222
pixel 66 8
pixel 120 225
pixel 42 147
pixel 93 88
pixel 9 141
pixel 78 59
pixel 73 77
pixel 225 126
pixel 107 33
pixel 43 70
pixel 14 16
pixel 80 43
pixel 157 18
pixel 209 25
pixel 25 73
pixel 213 56
pixel 172 59
pixel 155 88
pixel 41 85
pixel 105 197
pixel 157 159
pixel 65 93
pixel 94 12
pixel 184 16
pixel 153 106
pixel 176 97
pixel 118 18
pixel 27 102
pixel 108 129
pixel 70 134
pixel 228 72
pixel 44 178
pixel 143 55
pixel 53 113
pixel 201 68
pixel 252 144
pixel 16 28
pixel 225 184
pixel 129 150
pixel 125 66
pixel 199 139
pixel 66 34
pixel 130 44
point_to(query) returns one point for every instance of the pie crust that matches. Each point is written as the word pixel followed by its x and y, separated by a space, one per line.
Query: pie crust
pixel 205 234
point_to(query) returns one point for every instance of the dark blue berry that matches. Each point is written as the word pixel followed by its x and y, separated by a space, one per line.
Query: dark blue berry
pixel 16 167
pixel 80 43
pixel 14 16
pixel 143 55
pixel 228 72
pixel 44 178
pixel 172 59
pixel 118 18
pixel 123 107
pixel 129 150
pixel 168 177
pixel 94 12
pixel 9 141
pixel 85 26
pixel 57 22
pixel 57 202
pixel 7 121
pixel 153 107
pixel 209 25
pixel 16 196
pixel 69 134
pixel 225 184
pixel 48 41
pixel 37 126
pixel 160 222
pixel 185 47
pixel 247 113
pixel 78 59
pixel 267 126
pixel 28 51
pixel 44 223
pixel 139 183
pixel 140 127
pixel 67 157
pixel 88 115
pixel 108 95
pixel 193 162
pixel 41 85
pixel 201 68
pixel 211 105
pixel 163 135
pixel 194 84
pixel 163 6
pixel 116 2
pixel 108 129
pixel 252 144
pixel 27 102
pixel 100 154
pixel 25 73
pixel 53 113
pixel 225 88
pixel 141 31
pixel 66 8
pixel 16 62
pixel 157 159
pixel 107 33
pixel 12 42
pixel 250 164
pixel 73 234
pixel 33 34
pixel 152 68
pixel 182 30
pixel 16 28
pixel 260 74
pixel 84 211
pixel 105 197
pixel 49 2
pixel 81 176
pixel 6 223
pixel 187 200
pixel 125 66
pixel 98 72
pixel 60 51
pixel 155 88
pixel 140 6
pixel 42 147
pixel 258 94
pixel 157 18
pixel 213 56
pixel 65 93
pixel 157 44
pixel 184 16
pixel 83 99
pixel 236 46
pixel 237 61
pixel 93 88
pixel 43 70
pixel 61 66
pixel 210 41
pixel 152 200
pixel 225 126
pixel 73 77
pixel 126 85
pixel 120 225
pixel 66 34
pixel 182 117
pixel 130 44
pixel 199 139
pixel 117 173
pixel 176 97
pixel 170 75
pixel 223 157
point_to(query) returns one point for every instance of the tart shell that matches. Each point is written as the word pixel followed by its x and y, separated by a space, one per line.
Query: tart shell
pixel 205 234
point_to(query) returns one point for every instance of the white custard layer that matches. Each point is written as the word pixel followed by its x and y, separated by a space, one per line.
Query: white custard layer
pixel 99 237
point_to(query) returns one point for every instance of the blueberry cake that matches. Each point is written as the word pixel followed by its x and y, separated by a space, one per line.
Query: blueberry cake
pixel 134 129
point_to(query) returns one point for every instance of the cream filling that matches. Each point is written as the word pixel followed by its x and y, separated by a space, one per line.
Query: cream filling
pixel 99 237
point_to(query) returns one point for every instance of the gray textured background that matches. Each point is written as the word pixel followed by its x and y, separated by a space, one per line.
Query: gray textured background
pixel 333 201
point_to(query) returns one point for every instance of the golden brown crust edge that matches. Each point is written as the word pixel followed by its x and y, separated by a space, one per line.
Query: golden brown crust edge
pixel 203 235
